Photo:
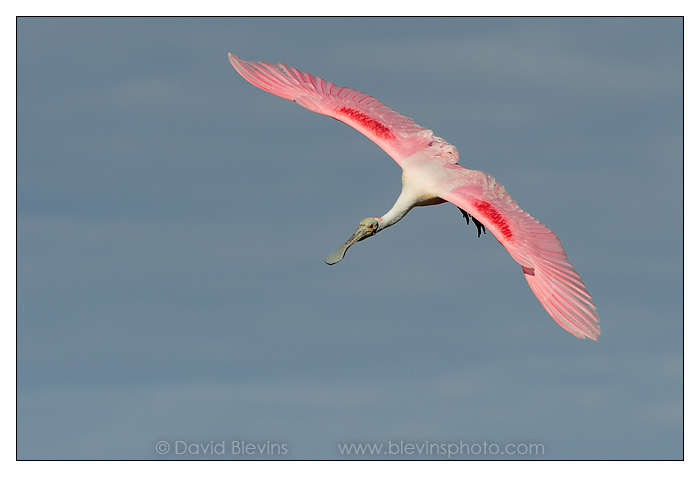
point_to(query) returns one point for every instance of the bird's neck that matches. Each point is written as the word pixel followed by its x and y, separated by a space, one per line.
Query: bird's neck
pixel 403 204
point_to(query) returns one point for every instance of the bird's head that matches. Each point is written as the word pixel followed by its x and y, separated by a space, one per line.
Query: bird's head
pixel 367 228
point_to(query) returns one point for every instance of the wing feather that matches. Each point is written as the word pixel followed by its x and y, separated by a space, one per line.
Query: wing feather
pixel 396 134
pixel 547 269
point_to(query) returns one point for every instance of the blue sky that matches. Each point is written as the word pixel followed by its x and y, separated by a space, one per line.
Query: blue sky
pixel 173 221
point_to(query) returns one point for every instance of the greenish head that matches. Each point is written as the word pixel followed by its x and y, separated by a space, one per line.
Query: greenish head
pixel 367 228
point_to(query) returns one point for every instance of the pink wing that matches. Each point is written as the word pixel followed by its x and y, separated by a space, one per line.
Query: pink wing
pixel 398 135
pixel 540 253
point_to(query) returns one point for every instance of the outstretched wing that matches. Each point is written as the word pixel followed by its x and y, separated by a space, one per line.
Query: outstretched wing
pixel 398 135
pixel 536 248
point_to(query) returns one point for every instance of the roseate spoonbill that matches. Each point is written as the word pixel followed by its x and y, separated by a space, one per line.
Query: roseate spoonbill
pixel 432 176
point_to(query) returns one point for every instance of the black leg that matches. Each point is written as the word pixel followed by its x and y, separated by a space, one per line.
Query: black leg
pixel 479 226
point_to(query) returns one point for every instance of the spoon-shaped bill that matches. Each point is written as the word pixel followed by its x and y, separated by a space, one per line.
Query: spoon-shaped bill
pixel 364 230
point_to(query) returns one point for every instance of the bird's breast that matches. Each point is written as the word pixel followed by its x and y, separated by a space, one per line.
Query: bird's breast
pixel 423 181
pixel 434 178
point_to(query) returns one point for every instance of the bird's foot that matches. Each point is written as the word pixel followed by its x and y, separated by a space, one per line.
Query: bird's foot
pixel 479 226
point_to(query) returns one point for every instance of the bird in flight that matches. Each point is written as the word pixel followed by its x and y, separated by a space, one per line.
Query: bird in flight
pixel 431 175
